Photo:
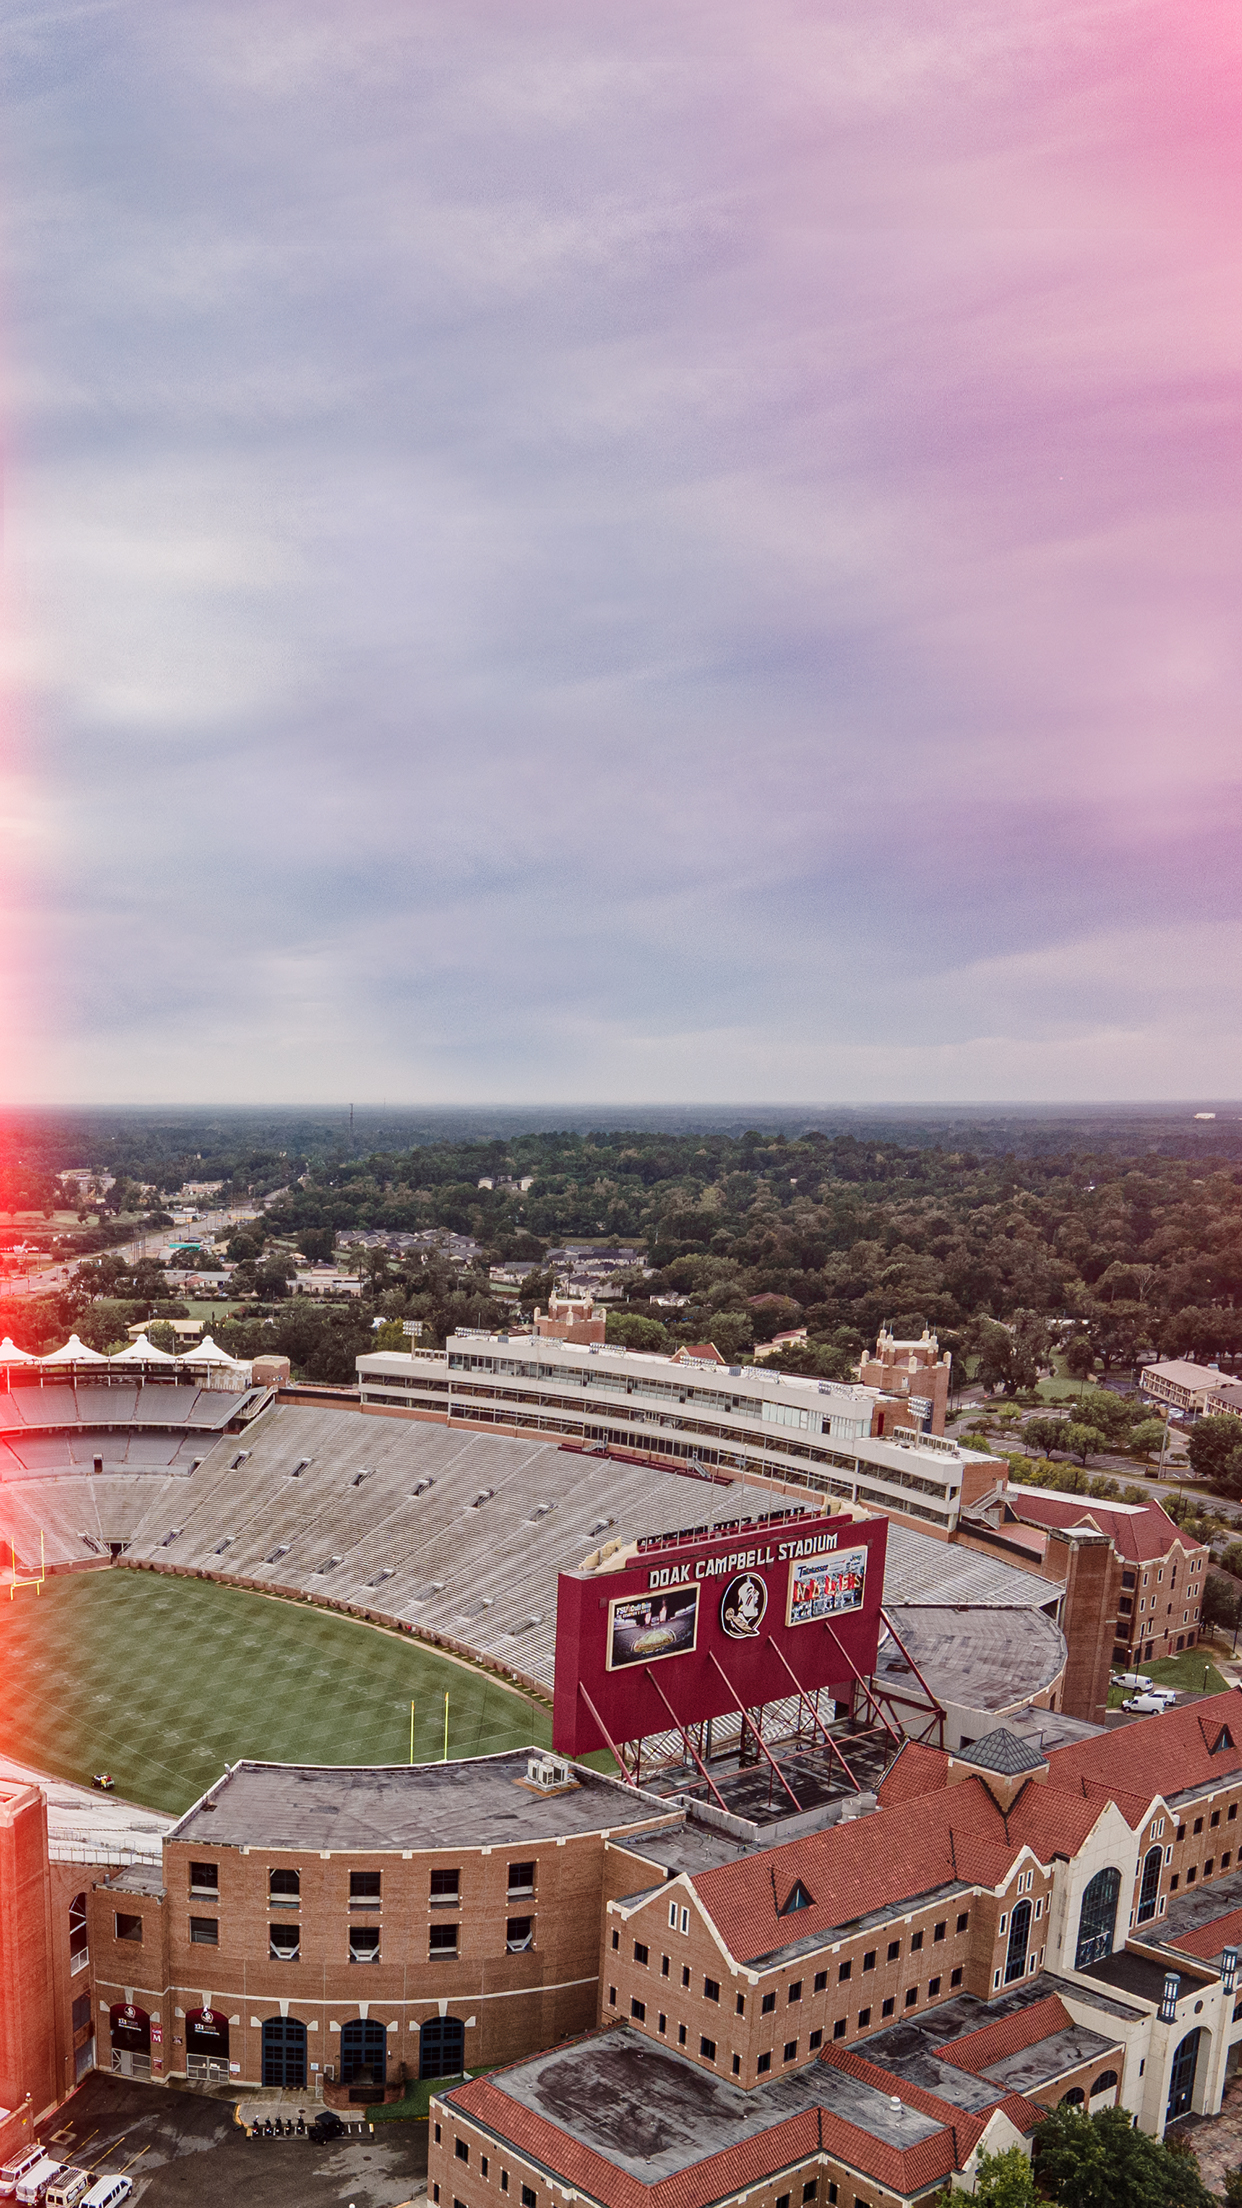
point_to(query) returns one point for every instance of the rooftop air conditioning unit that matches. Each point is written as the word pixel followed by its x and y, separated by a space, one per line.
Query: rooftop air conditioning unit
pixel 547 1771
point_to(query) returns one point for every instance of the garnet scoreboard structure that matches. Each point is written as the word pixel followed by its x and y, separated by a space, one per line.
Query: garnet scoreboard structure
pixel 704 1624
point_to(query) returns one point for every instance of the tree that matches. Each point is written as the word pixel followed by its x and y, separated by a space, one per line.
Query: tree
pixel 1101 2161
pixel 993 1348
pixel 813 1360
pixel 1147 1438
pixel 1043 1435
pixel 161 1336
pixel 1222 1600
pixel 1031 1349
pixel 1216 1449
pixel 1083 1441
pixel 1005 2180
pixel 1079 1357
pixel 314 1242
pixel 632 1331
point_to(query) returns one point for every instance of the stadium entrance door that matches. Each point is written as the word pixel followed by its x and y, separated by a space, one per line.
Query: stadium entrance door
pixel 284 2052
pixel 207 2046
pixel 442 2047
pixel 131 2040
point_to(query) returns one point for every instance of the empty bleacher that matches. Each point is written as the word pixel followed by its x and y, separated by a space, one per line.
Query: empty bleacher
pixel 453 1532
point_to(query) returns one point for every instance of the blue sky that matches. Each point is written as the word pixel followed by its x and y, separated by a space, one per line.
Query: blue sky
pixel 621 552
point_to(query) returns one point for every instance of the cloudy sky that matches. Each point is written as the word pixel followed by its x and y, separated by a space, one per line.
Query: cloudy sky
pixel 597 549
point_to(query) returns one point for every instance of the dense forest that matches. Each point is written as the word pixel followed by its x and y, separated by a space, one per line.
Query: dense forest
pixel 768 1230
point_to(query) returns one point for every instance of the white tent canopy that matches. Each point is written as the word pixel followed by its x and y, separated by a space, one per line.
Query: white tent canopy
pixel 143 1352
pixel 74 1352
pixel 207 1352
pixel 10 1354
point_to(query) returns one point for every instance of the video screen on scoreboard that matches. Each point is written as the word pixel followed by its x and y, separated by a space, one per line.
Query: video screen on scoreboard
pixel 827 1584
pixel 649 1627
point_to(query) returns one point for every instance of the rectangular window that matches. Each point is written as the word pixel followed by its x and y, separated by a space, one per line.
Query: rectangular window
pixel 504 2181
pixel 204 1932
pixel 869 1959
pixel 616 1942
pixel 1191 1875
pixel 791 2049
pixel 461 2148
pixel 364 1943
pixel 483 2165
pixel 816 2040
pixel 1209 1866
pixel 887 2007
pixel 782 2200
pixel 681 2035
pixel 519 1934
pixel 764 2064
pixel 638 2010
pixel 963 1921
pixel 832 2194
pixel 521 1878
pixel 810 2189
pixel 821 1980
pixel 1174 1882
pixel 996 1977
pixel 939 1930
pixel 737 2066
pixel 955 1977
pixel 894 1950
pixel 1198 1826
pixel 767 2004
pixel 529 2197
pixel 437 2135
pixel 864 2018
pixel 445 1885
pixel 685 1974
pixel 672 1916
pixel 933 1988
pixel 205 1878
pixel 364 1885
pixel 661 2022
pixel 707 2048
pixel 916 1942
pixel 843 1972
pixel 1214 1818
pixel 663 1966
pixel 640 1952
pixel 711 1989
pixel 912 1994
pixel 612 1997
pixel 740 2004
pixel 284 1885
pixel 443 1940
pixel 284 1942
pixel 128 1928
pixel 795 1991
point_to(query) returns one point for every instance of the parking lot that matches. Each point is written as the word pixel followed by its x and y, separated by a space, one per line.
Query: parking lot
pixel 184 2147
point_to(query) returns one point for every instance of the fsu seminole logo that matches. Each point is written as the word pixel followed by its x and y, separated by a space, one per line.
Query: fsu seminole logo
pixel 742 1606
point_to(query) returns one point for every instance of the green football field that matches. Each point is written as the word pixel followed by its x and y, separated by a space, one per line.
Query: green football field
pixel 163 1681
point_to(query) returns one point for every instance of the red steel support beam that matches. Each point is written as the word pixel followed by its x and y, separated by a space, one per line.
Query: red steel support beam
pixel 760 1741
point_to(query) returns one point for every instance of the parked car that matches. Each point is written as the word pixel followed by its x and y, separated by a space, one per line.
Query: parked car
pixel 18 2167
pixel 1136 1680
pixel 1146 1705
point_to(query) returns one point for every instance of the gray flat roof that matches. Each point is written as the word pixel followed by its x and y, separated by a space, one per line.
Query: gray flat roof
pixel 1203 1905
pixel 918 1569
pixel 1037 2066
pixel 985 1660
pixel 479 1802
pixel 912 2049
pixel 653 2113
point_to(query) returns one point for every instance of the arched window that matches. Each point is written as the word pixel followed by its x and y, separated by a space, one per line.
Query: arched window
pixel 1073 2099
pixel 364 2052
pixel 442 2047
pixel 1182 2076
pixel 79 1949
pixel 1105 2083
pixel 284 2052
pixel 1019 1933
pixel 1097 1919
pixel 1149 1891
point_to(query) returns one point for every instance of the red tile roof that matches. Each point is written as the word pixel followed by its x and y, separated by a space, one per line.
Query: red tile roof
pixel 1140 1535
pixel 747 2161
pixel 915 1770
pixel 1162 1755
pixel 855 1868
pixel 1008 2036
pixel 967 2127
pixel 1208 1939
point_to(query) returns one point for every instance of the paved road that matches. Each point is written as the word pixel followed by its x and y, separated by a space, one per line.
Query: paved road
pixel 147 1244
pixel 180 2147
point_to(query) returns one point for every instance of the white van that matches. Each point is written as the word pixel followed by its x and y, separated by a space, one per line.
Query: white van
pixel 35 2183
pixel 1133 1679
pixel 18 2167
pixel 67 2190
pixel 107 2192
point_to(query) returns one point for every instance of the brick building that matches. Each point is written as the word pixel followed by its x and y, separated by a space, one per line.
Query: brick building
pixel 915 1372
pixel 1134 1580
pixel 31 2025
pixel 365 1925
pixel 854 2015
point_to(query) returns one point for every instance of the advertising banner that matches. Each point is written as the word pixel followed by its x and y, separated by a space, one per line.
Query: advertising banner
pixel 691 1626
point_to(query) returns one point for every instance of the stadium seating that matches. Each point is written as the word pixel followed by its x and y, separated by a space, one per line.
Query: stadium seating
pixel 453 1532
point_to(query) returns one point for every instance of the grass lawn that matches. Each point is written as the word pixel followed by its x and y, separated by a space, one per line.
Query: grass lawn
pixel 414 2104
pixel 162 1681
pixel 1193 1672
